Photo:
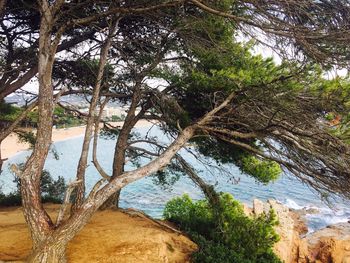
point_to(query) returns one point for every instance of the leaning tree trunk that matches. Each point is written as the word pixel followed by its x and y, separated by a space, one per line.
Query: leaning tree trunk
pixel 52 249
pixel 80 194
pixel 121 146
pixel 208 190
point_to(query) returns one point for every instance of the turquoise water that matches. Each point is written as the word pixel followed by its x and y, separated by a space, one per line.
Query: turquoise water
pixel 151 198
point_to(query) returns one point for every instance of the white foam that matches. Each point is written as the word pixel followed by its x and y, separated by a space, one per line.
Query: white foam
pixel 292 204
pixel 326 216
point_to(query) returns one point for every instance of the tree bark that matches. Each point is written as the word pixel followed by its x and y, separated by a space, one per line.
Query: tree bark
pixel 52 248
pixel 91 119
pixel 50 252
pixel 2 6
pixel 208 190
pixel 39 222
pixel 121 146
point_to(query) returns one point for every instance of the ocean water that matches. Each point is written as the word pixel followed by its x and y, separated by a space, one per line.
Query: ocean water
pixel 150 197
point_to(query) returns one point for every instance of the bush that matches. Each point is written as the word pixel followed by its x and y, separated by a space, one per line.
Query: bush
pixel 52 191
pixel 223 232
pixel 12 199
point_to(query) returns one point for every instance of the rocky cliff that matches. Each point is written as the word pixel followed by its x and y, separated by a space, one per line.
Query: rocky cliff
pixel 328 245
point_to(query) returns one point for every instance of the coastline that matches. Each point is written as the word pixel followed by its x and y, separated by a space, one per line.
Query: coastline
pixel 11 145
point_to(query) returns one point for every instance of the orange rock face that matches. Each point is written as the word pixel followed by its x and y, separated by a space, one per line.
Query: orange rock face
pixel 328 245
pixel 110 236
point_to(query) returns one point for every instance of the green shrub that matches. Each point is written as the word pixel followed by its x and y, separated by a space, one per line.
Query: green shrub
pixel 52 191
pixel 11 199
pixel 223 232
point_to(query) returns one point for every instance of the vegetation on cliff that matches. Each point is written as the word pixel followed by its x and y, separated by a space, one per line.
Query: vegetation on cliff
pixel 223 232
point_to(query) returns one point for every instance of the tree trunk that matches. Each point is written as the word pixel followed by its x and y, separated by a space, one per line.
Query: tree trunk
pixel 36 217
pixel 50 252
pixel 39 222
pixel 121 146
pixel 1 160
pixel 112 201
pixel 80 194
pixel 208 190
pixel 51 249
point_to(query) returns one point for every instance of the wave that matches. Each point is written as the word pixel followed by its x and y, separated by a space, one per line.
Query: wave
pixel 321 216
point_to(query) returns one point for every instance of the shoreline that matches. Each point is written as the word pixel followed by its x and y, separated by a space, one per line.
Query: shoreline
pixel 11 145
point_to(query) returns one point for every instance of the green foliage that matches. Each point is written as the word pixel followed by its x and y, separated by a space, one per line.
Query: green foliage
pixel 109 133
pixel 190 216
pixel 8 112
pixel 117 118
pixel 167 177
pixel 213 252
pixel 11 199
pixel 52 191
pixel 82 72
pixel 263 171
pixel 266 95
pixel 27 137
pixel 223 232
pixel 64 118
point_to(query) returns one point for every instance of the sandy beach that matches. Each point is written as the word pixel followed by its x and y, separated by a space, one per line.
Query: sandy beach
pixel 10 146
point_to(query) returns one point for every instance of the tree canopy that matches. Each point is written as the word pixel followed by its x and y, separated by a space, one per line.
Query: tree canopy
pixel 180 63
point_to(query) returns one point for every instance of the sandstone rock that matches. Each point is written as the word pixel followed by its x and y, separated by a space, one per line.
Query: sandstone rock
pixel 258 206
pixel 346 260
pixel 329 244
pixel 247 210
pixel 288 228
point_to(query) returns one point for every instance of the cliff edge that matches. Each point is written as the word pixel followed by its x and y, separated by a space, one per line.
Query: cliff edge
pixel 327 245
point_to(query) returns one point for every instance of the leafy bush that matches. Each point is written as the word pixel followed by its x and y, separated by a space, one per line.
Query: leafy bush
pixel 52 191
pixel 223 232
pixel 11 199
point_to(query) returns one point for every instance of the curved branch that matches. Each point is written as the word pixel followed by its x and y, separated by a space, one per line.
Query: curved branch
pixel 94 147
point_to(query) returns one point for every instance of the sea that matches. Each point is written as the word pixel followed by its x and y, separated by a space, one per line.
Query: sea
pixel 150 196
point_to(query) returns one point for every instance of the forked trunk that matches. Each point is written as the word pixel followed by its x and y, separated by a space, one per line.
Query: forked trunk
pixel 51 245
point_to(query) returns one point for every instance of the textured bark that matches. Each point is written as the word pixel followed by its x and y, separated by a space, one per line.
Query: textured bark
pixel 52 248
pixel 112 201
pixel 121 146
pixel 39 222
pixel 91 120
pixel 51 252
pixel 95 142
pixel 2 6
